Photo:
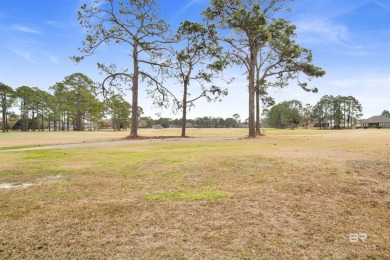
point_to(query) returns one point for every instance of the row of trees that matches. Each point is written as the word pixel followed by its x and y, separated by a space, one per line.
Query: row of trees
pixel 329 112
pixel 74 101
pixel 68 104
pixel 337 112
pixel 246 33
pixel 200 122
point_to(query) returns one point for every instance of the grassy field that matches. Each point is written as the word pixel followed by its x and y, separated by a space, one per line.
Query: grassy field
pixel 293 194
pixel 31 139
pixel 14 140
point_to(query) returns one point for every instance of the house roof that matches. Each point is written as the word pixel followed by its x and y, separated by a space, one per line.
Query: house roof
pixel 376 119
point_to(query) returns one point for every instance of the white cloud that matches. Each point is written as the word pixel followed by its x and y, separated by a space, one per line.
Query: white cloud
pixel 186 7
pixel 363 81
pixel 56 24
pixel 54 59
pixel 369 88
pixel 382 3
pixel 360 53
pixel 316 31
pixel 26 29
pixel 339 83
pixel 24 54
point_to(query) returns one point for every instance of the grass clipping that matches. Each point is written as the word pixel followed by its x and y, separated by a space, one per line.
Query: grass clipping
pixel 188 195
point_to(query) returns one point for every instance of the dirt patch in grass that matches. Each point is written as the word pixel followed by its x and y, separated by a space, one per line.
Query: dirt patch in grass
pixel 299 199
pixel 20 185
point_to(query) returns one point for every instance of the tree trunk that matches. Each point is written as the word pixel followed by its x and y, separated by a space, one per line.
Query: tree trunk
pixel 79 121
pixel 350 117
pixel 67 122
pixel 6 122
pixel 3 127
pixel 33 120
pixel 184 117
pixel 344 115
pixel 24 119
pixel 251 90
pixel 257 110
pixel 43 123
pixel 3 122
pixel 326 121
pixel 63 122
pixel 134 108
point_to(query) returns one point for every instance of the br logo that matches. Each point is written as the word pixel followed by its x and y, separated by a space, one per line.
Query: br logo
pixel 357 237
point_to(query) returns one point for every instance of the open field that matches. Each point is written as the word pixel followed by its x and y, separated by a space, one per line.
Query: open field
pixel 289 195
pixel 31 139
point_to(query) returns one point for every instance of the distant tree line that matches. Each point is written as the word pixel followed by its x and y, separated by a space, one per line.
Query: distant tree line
pixel 330 112
pixel 77 104
pixel 200 122
pixel 68 104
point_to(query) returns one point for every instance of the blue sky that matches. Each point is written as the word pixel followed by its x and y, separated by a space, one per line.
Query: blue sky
pixel 350 39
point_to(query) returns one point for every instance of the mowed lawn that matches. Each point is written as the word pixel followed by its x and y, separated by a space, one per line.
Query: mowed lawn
pixel 32 139
pixel 287 195
pixel 15 139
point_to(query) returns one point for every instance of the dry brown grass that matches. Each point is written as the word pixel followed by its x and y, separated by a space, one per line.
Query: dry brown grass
pixel 284 197
pixel 27 139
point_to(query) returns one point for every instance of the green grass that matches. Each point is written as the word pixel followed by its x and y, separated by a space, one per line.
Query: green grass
pixel 47 155
pixel 19 147
pixel 188 195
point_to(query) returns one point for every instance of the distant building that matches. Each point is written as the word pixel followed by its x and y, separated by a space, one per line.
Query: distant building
pixel 376 122
pixel 87 126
